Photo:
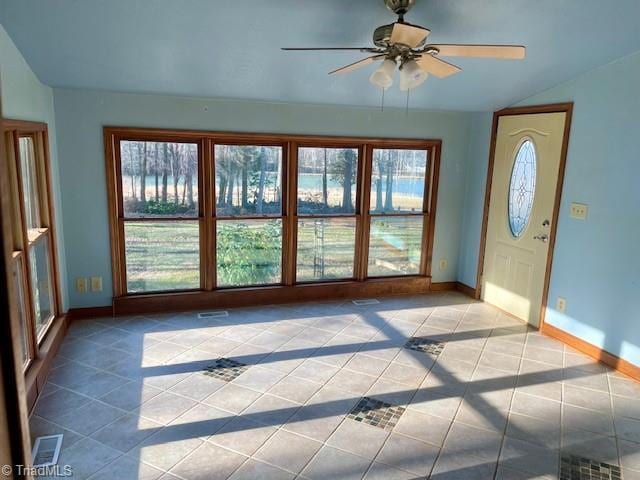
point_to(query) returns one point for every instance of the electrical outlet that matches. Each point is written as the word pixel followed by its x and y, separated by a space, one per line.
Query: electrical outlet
pixel 81 284
pixel 561 304
pixel 96 284
pixel 443 264
pixel 578 211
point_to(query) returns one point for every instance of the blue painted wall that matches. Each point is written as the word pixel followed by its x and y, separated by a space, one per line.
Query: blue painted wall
pixel 476 173
pixel 81 115
pixel 596 263
pixel 25 98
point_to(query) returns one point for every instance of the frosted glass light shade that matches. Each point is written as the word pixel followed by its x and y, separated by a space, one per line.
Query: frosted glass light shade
pixel 383 76
pixel 411 75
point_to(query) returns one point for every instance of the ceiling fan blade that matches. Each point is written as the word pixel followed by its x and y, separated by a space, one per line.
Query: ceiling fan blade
pixel 356 65
pixel 359 49
pixel 506 52
pixel 437 66
pixel 408 35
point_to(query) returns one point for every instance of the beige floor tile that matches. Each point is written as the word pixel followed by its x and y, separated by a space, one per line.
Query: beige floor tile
pixel 408 454
pixel 232 398
pixel 288 451
pixel 252 470
pixel 165 407
pixel 127 468
pixel 330 464
pixel 358 438
pixel 426 428
pixel 208 461
pixel 242 435
pixel 295 389
pixel 308 366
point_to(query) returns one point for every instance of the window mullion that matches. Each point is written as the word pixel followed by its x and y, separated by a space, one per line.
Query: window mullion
pixel 205 212
pixel 363 219
pixel 291 212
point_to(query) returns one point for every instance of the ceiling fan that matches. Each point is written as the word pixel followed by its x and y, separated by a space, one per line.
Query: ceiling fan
pixel 403 45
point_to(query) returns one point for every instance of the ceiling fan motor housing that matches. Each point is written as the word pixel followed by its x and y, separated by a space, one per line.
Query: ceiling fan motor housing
pixel 382 37
pixel 399 7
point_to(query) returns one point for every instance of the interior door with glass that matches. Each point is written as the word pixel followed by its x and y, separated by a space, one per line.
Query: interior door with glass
pixel 527 161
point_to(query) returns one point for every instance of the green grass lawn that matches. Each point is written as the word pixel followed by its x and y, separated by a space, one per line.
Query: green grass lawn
pixel 164 255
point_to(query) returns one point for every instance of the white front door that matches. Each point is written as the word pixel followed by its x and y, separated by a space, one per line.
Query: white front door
pixel 523 189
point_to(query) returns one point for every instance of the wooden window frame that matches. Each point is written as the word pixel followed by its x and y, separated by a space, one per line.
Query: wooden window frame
pixel 118 217
pixel 13 130
pixel 289 289
pixel 335 143
pixel 285 213
pixel 427 213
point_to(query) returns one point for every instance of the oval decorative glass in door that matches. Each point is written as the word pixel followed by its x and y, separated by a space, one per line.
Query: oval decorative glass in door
pixel 522 188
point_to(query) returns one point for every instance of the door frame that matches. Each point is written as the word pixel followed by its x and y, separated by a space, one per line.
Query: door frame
pixel 566 108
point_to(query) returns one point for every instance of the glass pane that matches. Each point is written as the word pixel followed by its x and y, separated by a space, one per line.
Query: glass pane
pixel 39 260
pixel 22 318
pixel 29 183
pixel 162 256
pixel 395 245
pixel 522 188
pixel 397 180
pixel 249 252
pixel 327 180
pixel 325 248
pixel 248 180
pixel 159 179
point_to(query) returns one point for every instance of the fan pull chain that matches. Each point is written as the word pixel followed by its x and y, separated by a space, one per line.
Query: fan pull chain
pixel 407 106
pixel 382 105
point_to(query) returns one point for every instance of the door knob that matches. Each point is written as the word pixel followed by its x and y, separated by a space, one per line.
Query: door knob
pixel 543 238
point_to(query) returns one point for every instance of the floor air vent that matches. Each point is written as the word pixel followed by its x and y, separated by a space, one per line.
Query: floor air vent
pixel 214 314
pixel 46 450
pixel 365 301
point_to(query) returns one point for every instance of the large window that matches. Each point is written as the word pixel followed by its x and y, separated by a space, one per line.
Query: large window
pixel 199 211
pixel 33 259
pixel 327 205
pixel 398 209
pixel 160 215
pixel 248 199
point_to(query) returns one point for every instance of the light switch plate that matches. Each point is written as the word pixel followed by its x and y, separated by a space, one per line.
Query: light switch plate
pixel 96 284
pixel 561 304
pixel 578 211
pixel 81 284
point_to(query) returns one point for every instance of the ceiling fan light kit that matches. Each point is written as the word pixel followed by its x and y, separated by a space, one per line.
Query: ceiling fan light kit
pixel 411 75
pixel 383 76
pixel 403 45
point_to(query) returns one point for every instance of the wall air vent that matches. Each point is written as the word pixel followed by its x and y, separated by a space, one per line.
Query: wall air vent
pixel 214 314
pixel 365 301
pixel 46 450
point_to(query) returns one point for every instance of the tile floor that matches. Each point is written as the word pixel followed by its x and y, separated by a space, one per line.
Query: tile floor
pixel 454 390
